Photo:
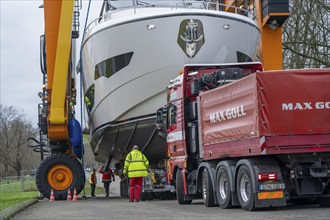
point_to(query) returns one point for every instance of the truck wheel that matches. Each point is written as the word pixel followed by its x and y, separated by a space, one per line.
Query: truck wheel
pixel 244 189
pixel 124 188
pixel 324 201
pixel 60 172
pixel 207 189
pixel 150 196
pixel 179 189
pixel 163 196
pixel 170 195
pixel 223 188
pixel 144 196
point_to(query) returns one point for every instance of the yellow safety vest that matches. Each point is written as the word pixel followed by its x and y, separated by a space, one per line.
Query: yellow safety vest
pixel 88 103
pixel 92 178
pixel 136 164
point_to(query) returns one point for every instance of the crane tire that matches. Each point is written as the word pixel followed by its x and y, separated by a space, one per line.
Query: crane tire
pixel 60 172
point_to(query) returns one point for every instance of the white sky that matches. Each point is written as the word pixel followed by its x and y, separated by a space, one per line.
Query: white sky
pixel 22 23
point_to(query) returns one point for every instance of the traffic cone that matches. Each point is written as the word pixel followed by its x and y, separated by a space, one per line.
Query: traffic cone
pixel 69 195
pixel 75 197
pixel 52 196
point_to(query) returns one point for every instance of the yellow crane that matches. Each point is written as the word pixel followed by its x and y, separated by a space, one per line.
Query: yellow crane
pixel 62 170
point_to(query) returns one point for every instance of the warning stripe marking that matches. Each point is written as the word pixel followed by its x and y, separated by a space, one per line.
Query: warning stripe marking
pixel 270 195
pixel 262 145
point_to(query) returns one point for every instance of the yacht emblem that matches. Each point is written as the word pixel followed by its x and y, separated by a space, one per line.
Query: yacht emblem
pixel 191 36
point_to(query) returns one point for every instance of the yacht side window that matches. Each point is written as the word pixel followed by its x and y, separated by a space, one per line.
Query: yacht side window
pixel 112 65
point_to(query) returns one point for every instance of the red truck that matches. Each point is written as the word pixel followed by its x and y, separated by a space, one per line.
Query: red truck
pixel 239 136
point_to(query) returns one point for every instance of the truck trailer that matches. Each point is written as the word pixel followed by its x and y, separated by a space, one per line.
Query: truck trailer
pixel 240 136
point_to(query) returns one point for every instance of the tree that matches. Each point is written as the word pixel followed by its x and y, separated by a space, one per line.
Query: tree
pixel 306 35
pixel 14 130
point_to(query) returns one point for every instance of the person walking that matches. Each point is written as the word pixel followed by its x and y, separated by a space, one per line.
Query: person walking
pixel 106 179
pixel 93 182
pixel 136 167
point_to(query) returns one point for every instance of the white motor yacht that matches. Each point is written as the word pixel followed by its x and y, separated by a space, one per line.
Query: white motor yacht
pixel 133 50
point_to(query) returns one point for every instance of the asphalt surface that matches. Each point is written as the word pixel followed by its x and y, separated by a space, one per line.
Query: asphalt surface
pixel 118 208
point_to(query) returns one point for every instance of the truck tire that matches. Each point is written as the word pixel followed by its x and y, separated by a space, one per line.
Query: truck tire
pixel 60 172
pixel 163 196
pixel 170 195
pixel 179 189
pixel 143 196
pixel 150 196
pixel 324 202
pixel 124 190
pixel 207 189
pixel 244 189
pixel 223 188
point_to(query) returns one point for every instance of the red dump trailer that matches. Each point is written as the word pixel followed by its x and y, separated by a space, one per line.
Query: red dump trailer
pixel 239 136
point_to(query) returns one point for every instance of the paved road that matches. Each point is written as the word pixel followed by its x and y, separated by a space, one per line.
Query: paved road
pixel 119 208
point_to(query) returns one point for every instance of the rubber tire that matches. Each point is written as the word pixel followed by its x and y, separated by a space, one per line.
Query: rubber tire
pixel 324 202
pixel 171 195
pixel 150 196
pixel 124 189
pixel 163 196
pixel 143 196
pixel 226 202
pixel 72 163
pixel 249 204
pixel 179 189
pixel 207 189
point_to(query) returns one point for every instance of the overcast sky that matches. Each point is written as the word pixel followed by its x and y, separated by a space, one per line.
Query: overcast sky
pixel 22 23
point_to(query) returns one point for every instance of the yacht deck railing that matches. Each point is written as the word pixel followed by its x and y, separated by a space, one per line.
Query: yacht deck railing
pixel 177 5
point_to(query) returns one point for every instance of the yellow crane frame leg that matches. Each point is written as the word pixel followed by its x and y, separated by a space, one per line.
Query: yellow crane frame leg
pixel 58 30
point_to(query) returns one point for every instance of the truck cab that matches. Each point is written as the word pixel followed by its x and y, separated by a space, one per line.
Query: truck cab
pixel 178 120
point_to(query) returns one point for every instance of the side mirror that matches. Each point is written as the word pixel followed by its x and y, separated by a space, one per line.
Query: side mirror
pixel 159 120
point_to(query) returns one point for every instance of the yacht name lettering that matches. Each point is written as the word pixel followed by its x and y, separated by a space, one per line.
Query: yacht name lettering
pixel 227 114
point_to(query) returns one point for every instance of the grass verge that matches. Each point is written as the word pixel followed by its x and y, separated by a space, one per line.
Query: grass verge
pixel 8 199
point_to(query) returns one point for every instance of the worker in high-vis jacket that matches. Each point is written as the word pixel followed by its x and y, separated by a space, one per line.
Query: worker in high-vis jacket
pixel 93 182
pixel 136 167
pixel 88 103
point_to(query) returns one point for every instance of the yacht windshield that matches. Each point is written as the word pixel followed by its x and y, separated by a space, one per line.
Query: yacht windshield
pixel 242 7
pixel 118 4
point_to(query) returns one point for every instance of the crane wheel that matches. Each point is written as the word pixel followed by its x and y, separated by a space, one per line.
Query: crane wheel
pixel 60 172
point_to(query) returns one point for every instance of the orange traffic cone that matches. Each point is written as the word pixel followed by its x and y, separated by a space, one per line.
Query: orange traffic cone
pixel 69 195
pixel 52 196
pixel 75 197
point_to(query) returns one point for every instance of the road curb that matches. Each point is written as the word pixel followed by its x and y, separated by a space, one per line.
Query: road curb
pixel 11 211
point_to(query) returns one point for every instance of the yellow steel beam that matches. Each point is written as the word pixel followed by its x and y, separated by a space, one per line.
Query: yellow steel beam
pixel 270 45
pixel 58 28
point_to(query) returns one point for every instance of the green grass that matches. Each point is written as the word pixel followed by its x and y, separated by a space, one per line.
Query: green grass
pixel 8 199
pixel 11 180
pixel 28 185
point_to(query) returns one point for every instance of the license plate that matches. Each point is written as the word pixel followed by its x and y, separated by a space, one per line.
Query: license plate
pixel 272 186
